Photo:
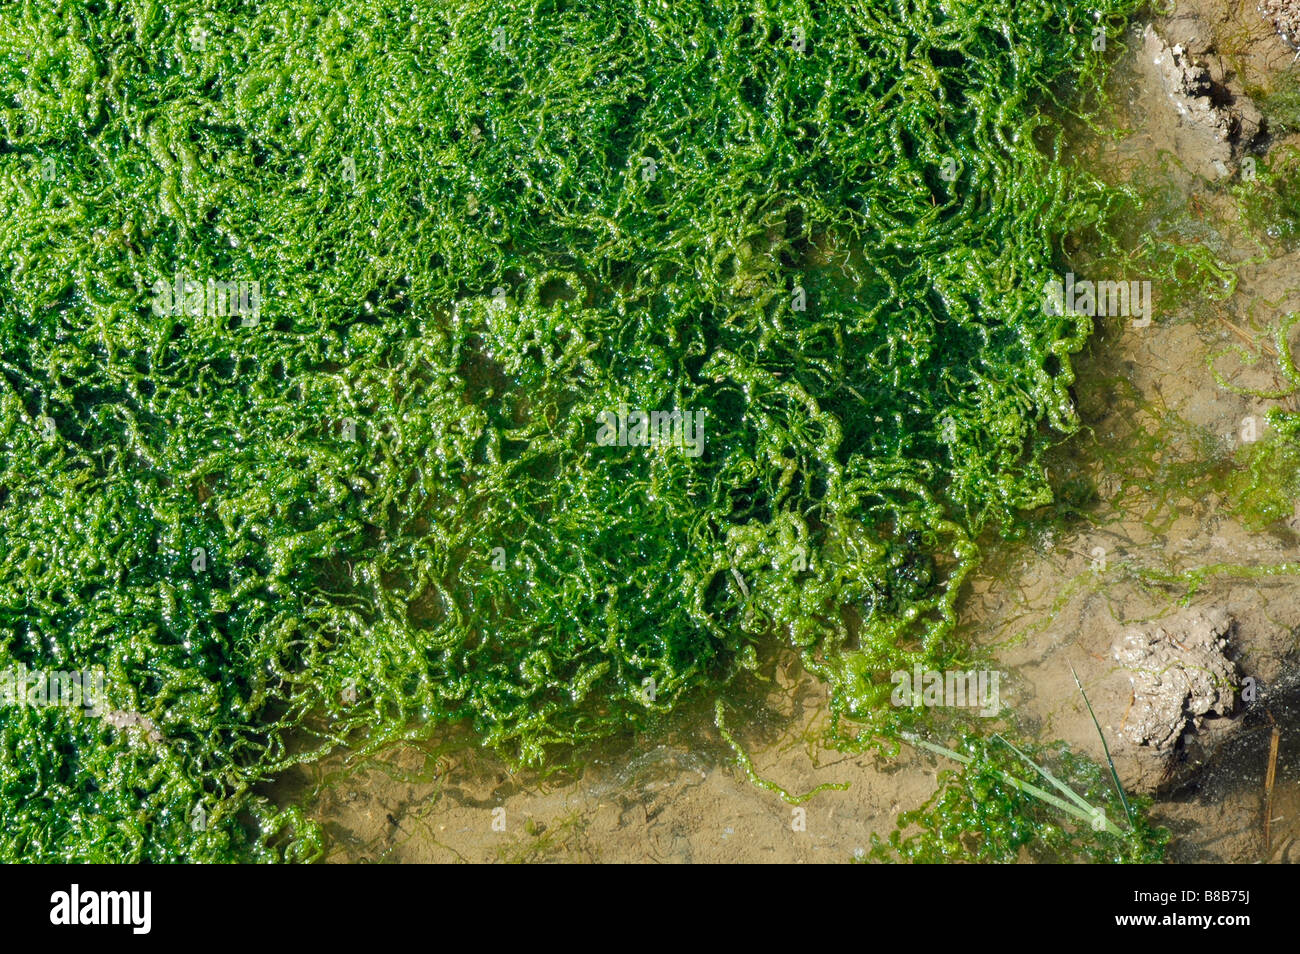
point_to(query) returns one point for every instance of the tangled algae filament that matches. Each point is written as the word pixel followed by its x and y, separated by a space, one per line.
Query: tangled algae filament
pixel 477 227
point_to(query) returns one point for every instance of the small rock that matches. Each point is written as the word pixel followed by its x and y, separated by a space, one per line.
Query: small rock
pixel 1180 676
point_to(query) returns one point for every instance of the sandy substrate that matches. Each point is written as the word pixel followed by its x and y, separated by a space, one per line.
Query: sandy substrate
pixel 1165 678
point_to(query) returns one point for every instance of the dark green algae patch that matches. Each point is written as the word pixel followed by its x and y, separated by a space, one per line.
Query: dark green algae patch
pixel 475 228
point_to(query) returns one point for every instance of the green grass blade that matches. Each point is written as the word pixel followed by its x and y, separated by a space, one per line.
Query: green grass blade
pixel 1057 783
pixel 1046 797
pixel 1105 748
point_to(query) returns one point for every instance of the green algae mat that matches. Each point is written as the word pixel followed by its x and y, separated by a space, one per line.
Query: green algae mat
pixel 373 369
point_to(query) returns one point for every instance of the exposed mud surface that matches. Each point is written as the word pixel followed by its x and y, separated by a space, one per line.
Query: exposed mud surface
pixel 674 797
pixel 1214 122
pixel 1182 624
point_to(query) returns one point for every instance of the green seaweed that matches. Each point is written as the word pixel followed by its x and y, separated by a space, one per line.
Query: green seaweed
pixel 1281 103
pixel 989 811
pixel 380 508
pixel 1269 202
